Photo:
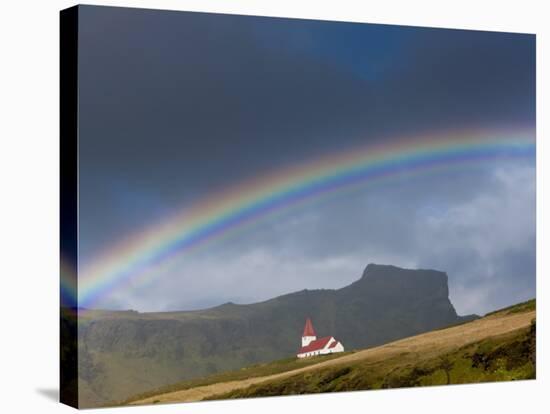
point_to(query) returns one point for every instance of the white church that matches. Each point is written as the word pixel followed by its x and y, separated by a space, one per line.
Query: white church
pixel 312 346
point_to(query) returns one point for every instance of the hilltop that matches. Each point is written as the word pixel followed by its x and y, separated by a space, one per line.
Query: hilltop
pixel 122 353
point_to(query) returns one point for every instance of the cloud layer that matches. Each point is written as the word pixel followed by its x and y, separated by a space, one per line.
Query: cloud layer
pixel 482 234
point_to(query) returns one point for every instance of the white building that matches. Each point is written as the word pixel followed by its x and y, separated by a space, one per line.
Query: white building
pixel 312 346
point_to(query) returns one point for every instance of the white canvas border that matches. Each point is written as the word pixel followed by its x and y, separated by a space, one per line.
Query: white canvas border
pixel 29 221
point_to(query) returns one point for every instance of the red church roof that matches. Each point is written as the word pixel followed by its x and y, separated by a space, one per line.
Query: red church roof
pixel 315 345
pixel 308 329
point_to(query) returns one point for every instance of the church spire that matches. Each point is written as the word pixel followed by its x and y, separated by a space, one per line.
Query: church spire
pixel 308 329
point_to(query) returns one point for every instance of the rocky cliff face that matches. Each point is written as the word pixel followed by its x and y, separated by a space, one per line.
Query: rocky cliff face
pixel 123 353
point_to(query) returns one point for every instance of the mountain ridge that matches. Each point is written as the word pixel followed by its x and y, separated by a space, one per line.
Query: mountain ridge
pixel 122 353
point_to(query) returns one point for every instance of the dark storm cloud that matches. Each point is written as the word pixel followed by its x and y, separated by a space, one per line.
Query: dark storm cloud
pixel 422 78
pixel 176 105
pixel 465 78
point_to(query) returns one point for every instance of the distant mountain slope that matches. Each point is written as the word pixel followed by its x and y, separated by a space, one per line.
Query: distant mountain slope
pixel 124 353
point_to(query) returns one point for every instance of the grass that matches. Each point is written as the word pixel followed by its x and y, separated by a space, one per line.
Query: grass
pixel 499 358
pixel 526 306
pixel 504 358
pixel 257 370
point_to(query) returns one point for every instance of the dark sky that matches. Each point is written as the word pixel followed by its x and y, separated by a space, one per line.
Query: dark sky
pixel 174 106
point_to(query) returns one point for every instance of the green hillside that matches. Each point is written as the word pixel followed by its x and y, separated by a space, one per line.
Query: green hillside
pixel 502 358
pixel 253 371
pixel 498 347
pixel 529 305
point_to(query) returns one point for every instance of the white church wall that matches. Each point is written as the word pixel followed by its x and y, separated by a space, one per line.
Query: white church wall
pixel 338 347
pixel 306 340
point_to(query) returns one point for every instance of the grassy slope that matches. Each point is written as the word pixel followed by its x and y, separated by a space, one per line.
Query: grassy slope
pixel 502 358
pixel 508 356
pixel 253 371
pixel 526 306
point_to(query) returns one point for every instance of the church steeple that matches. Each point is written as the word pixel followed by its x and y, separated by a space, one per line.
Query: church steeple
pixel 309 333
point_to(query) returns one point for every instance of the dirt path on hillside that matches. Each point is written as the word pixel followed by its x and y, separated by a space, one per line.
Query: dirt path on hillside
pixel 431 343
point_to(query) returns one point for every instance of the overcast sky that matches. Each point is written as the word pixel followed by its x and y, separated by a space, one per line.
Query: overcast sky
pixel 175 106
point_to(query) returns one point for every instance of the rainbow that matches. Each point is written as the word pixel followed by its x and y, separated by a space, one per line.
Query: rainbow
pixel 238 206
pixel 67 292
